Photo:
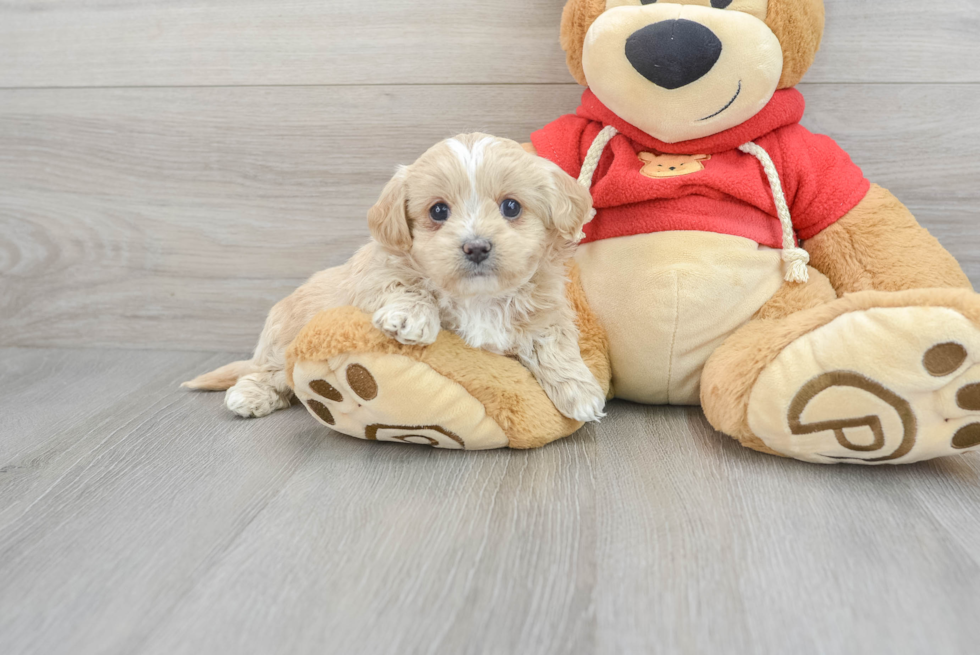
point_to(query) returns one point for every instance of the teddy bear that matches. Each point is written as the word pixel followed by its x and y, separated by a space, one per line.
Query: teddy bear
pixel 736 261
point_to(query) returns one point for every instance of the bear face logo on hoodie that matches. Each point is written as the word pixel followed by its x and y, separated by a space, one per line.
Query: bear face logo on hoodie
pixel 657 165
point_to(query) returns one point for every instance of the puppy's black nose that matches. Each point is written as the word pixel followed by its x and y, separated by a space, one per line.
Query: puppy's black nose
pixel 477 250
pixel 673 53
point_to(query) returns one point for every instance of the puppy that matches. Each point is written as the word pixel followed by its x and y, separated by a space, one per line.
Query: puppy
pixel 472 238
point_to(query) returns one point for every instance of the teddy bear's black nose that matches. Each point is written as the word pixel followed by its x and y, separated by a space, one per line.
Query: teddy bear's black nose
pixel 673 53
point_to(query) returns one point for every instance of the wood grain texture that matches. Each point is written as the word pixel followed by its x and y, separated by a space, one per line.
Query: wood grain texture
pixel 46 43
pixel 175 218
pixel 147 519
pixel 123 211
pixel 139 519
pixel 740 553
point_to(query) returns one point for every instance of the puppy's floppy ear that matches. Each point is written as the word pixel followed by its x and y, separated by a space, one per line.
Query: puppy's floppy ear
pixel 388 219
pixel 571 205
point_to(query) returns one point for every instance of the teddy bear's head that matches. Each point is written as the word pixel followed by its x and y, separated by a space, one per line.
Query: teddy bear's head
pixel 686 69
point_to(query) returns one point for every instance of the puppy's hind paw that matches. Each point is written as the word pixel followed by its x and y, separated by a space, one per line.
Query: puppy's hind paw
pixel 250 398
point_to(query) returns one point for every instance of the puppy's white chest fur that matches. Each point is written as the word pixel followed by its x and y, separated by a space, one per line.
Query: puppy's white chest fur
pixel 489 323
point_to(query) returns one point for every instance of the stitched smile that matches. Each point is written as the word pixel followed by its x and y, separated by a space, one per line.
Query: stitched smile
pixel 730 103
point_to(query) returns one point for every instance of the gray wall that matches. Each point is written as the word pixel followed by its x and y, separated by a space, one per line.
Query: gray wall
pixel 168 170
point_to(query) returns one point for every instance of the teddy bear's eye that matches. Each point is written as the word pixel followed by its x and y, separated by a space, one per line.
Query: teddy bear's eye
pixel 650 2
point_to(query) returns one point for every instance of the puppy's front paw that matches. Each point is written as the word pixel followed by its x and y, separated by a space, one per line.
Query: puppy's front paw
pixel 579 399
pixel 413 326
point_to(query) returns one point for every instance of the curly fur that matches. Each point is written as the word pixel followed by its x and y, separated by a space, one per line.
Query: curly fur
pixel 507 390
pixel 415 279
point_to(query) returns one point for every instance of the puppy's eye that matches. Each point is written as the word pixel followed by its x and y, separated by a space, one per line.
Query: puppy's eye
pixel 511 209
pixel 439 212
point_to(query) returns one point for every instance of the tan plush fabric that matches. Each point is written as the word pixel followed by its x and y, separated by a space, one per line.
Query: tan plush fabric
pixel 749 72
pixel 384 397
pixel 792 297
pixel 576 20
pixel 593 339
pixel 879 245
pixel 798 24
pixel 732 371
pixel 510 394
pixel 668 300
pixel 858 390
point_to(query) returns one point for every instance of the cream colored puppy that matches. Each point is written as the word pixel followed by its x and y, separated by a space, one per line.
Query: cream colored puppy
pixel 472 238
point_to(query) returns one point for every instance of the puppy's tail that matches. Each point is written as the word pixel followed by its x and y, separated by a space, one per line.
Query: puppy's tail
pixel 222 379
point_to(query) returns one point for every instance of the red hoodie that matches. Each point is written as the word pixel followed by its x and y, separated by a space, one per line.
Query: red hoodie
pixel 708 184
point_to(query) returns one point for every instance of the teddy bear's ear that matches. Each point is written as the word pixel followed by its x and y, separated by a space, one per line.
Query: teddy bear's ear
pixel 798 24
pixel 388 219
pixel 575 23
pixel 647 157
pixel 570 205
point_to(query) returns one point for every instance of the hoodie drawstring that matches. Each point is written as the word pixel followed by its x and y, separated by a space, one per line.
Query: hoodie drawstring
pixel 795 258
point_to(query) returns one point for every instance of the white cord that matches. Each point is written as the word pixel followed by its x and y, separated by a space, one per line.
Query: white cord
pixel 591 163
pixel 592 158
pixel 796 258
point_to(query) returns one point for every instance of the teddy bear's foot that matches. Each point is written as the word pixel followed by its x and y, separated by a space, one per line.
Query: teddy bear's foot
pixel 384 397
pixel 883 385
pixel 355 379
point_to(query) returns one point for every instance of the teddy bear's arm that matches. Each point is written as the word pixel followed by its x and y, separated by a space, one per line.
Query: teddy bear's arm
pixel 879 245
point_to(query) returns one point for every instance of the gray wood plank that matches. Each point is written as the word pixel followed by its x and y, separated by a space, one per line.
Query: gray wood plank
pixel 900 41
pixel 706 547
pixel 46 395
pixel 136 518
pixel 174 218
pixel 127 215
pixel 111 509
pixel 249 42
pixel 47 43
pixel 166 525
pixel 398 550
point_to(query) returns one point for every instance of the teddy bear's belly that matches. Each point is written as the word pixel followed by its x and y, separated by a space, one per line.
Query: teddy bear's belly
pixel 668 300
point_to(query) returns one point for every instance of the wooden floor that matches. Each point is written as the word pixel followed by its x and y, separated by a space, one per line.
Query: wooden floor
pixel 170 169
pixel 138 519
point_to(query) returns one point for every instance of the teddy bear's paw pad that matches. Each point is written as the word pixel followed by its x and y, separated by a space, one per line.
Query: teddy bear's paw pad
pixel 394 398
pixel 881 386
